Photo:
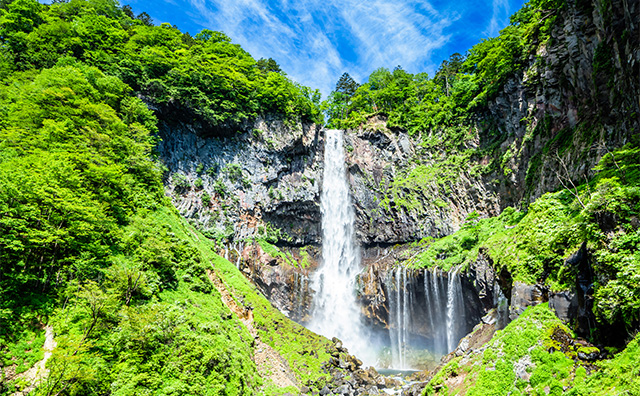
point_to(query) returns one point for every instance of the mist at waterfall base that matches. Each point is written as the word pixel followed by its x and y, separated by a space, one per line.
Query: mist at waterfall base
pixel 434 302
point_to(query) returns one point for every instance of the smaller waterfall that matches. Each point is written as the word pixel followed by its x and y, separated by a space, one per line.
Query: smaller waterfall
pixel 454 309
pixel 301 285
pixel 434 288
pixel 443 312
pixel 400 316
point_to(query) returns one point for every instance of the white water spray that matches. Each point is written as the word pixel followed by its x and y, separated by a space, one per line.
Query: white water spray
pixel 335 311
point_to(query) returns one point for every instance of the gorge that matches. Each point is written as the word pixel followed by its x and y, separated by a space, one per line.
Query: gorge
pixel 177 217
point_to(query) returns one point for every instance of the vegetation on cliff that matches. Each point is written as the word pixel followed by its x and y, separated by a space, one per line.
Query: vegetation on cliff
pixel 424 105
pixel 534 245
pixel 536 354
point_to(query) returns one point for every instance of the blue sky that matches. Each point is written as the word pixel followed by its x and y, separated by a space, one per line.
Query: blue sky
pixel 315 41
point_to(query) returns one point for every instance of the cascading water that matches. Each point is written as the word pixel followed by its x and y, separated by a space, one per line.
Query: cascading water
pixel 454 308
pixel 436 309
pixel 399 306
pixel 335 311
pixel 443 312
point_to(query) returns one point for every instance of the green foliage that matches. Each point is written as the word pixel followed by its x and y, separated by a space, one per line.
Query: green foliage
pixel 525 341
pixel 207 76
pixel 616 376
pixel 287 257
pixel 234 172
pixel 305 351
pixel 206 199
pixel 72 172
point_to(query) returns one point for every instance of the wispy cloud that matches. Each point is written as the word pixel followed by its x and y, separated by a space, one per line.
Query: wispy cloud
pixel 315 41
pixel 499 17
pixel 309 39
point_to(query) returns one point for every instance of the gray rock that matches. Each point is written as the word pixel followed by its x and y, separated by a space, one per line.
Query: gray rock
pixel 564 304
pixel 523 296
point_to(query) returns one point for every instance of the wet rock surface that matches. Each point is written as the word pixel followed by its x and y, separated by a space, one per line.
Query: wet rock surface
pixel 348 377
pixel 284 280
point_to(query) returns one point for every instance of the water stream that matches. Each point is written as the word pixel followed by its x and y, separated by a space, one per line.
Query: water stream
pixel 443 312
pixel 335 311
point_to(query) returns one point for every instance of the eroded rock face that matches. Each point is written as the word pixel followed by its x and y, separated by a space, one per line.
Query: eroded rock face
pixel 247 185
pixel 285 283
pixel 376 156
pixel 523 296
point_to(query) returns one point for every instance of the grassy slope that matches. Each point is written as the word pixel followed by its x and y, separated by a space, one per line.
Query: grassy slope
pixel 530 357
pixel 305 351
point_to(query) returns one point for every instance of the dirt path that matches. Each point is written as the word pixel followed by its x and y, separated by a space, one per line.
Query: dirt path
pixel 38 372
pixel 271 365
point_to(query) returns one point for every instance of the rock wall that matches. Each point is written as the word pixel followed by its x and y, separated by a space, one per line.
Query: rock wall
pixel 576 100
pixel 261 182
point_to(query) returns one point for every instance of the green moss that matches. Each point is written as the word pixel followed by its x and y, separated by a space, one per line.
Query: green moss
pixel 523 342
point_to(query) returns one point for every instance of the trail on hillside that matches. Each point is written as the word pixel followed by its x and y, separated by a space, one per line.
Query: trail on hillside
pixel 38 372
pixel 271 365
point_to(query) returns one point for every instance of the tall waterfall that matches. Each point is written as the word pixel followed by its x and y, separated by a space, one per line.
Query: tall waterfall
pixel 335 311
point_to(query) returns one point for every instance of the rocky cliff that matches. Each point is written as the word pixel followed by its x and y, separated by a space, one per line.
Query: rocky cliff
pixel 548 126
pixel 575 100
pixel 261 182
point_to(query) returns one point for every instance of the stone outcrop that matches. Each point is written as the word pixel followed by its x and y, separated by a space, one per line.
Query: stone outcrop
pixel 285 284
pixel 264 181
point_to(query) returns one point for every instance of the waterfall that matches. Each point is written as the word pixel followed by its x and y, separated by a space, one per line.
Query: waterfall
pixel 454 308
pixel 300 290
pixel 400 316
pixel 443 312
pixel 335 310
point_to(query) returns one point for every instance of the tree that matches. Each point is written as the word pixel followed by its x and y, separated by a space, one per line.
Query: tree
pixel 145 19
pixel 346 85
pixel 448 70
pixel 268 65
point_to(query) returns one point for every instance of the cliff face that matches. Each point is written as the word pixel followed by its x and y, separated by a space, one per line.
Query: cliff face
pixel 552 122
pixel 576 100
pixel 263 182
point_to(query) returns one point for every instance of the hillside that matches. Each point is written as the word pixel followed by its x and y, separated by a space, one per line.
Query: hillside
pixel 95 263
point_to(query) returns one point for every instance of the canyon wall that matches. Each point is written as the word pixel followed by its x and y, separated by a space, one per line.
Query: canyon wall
pixel 575 100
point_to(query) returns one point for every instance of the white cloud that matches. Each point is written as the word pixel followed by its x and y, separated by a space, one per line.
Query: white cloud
pixel 307 37
pixel 499 17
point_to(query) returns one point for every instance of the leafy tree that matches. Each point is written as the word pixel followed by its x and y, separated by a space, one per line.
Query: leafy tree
pixel 268 65
pixel 346 85
pixel 448 71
